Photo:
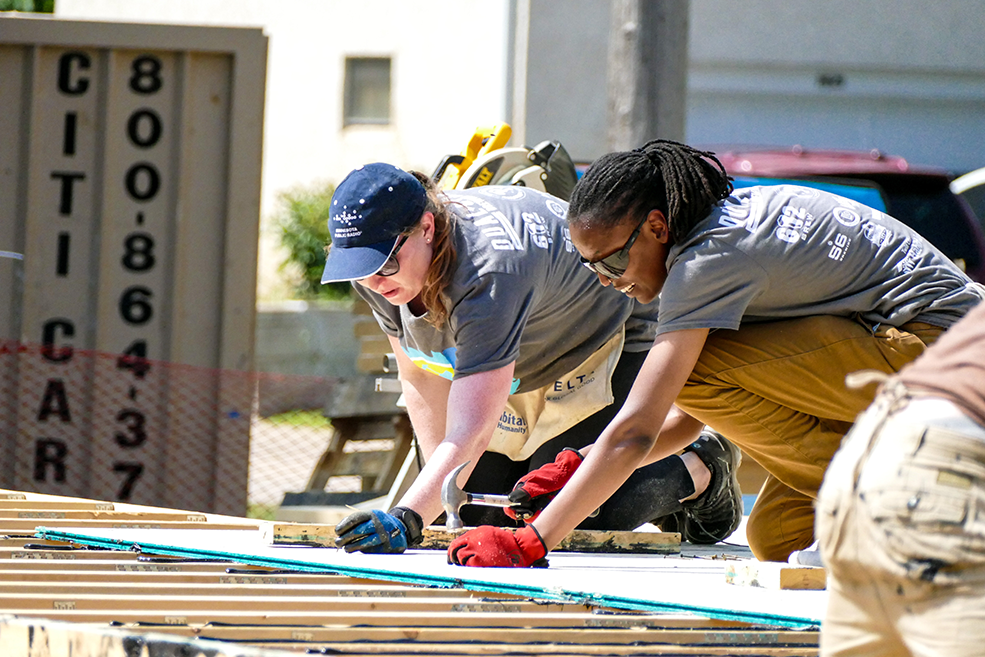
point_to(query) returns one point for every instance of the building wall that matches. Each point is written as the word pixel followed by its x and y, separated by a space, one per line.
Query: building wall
pixel 443 86
pixel 904 76
pixel 448 66
pixel 567 37
pixel 877 34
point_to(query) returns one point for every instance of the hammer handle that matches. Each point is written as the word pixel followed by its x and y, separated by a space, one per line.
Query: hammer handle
pixel 488 500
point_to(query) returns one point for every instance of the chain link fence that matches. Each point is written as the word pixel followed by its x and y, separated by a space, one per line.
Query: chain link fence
pixel 131 429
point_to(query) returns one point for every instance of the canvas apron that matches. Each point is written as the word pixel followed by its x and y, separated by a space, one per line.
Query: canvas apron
pixel 532 418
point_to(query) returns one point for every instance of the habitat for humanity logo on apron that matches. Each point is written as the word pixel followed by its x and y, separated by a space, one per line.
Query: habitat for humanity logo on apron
pixel 532 418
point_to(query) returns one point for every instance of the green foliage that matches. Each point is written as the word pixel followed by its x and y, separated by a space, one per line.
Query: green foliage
pixel 261 511
pixel 299 418
pixel 40 6
pixel 302 225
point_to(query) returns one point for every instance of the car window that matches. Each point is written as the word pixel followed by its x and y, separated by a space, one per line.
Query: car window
pixel 971 187
pixel 865 193
pixel 926 204
pixel 938 216
pixel 975 197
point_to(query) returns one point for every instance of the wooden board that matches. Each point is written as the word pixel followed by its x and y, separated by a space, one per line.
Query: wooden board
pixel 438 538
pixel 29 525
pixel 775 575
pixel 22 636
pixel 99 602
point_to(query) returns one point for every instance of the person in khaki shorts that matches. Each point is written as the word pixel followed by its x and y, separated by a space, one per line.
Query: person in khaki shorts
pixel 769 296
pixel 900 522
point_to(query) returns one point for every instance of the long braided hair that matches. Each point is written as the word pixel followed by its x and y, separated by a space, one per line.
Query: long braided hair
pixel 680 181
pixel 443 256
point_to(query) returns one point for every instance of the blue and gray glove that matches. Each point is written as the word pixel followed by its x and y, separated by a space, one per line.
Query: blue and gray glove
pixel 376 532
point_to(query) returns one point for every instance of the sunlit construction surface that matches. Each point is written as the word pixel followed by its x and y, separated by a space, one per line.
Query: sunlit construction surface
pixel 176 576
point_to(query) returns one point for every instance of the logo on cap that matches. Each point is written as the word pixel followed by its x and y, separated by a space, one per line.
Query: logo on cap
pixel 345 217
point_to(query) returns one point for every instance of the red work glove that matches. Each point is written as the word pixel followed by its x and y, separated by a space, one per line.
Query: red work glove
pixel 496 547
pixel 535 489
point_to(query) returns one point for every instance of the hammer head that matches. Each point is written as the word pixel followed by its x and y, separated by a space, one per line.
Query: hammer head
pixel 452 498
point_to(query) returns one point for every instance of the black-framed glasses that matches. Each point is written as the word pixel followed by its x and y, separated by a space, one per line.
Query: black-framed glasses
pixel 615 265
pixel 392 265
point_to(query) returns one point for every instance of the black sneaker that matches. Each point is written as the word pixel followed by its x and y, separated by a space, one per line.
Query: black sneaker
pixel 670 523
pixel 716 513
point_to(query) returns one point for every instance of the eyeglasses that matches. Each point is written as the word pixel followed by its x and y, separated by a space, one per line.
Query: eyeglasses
pixel 392 265
pixel 615 265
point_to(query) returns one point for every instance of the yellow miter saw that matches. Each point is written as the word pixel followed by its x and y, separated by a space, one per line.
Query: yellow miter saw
pixel 487 161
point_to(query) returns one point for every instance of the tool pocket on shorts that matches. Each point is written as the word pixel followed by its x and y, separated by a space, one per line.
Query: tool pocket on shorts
pixel 931 511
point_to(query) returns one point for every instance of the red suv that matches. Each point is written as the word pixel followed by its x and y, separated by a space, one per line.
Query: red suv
pixel 919 196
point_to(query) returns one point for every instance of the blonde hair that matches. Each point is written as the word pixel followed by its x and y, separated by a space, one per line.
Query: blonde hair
pixel 443 256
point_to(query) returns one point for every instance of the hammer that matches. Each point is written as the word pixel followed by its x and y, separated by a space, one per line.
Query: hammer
pixel 453 497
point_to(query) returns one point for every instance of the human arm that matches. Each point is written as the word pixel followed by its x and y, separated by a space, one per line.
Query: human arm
pixel 630 438
pixel 469 407
pixel 537 488
pixel 677 432
pixel 454 421
pixel 426 397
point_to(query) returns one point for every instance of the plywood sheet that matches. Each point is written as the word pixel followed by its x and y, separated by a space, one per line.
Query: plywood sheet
pixel 653 583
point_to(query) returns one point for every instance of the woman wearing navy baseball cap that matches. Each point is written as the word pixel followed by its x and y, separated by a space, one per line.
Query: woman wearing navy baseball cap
pixel 511 358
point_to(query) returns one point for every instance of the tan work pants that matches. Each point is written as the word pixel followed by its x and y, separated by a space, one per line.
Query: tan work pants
pixel 777 390
pixel 901 530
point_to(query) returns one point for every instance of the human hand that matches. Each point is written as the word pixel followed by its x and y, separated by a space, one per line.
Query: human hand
pixel 496 547
pixel 376 532
pixel 535 489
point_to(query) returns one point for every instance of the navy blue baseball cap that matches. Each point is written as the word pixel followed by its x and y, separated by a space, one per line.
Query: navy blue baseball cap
pixel 371 208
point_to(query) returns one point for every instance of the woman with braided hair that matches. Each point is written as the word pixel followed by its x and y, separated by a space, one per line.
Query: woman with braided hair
pixel 510 357
pixel 769 296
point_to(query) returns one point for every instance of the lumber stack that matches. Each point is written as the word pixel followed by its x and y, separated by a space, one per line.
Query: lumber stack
pixel 82 601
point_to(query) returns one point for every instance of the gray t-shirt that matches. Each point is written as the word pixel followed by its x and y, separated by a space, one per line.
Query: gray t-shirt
pixel 780 252
pixel 519 294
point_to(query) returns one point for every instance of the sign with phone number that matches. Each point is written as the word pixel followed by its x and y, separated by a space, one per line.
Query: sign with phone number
pixel 134 160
